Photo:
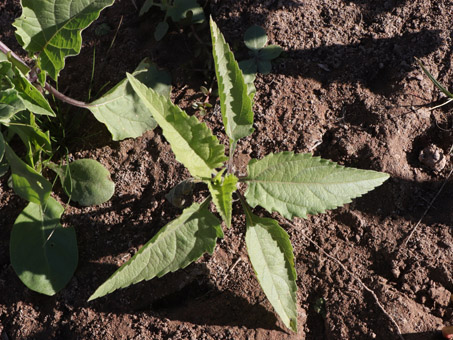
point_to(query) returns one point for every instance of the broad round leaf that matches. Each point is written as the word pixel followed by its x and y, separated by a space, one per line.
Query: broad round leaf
pixel 87 182
pixel 255 38
pixel 43 253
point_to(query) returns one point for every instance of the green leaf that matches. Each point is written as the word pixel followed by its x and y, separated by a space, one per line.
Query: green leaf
pixel 269 52
pixel 31 98
pixel 249 69
pixel 53 28
pixel 300 184
pixel 192 142
pixel 10 104
pixel 146 7
pixel 271 255
pixel 87 182
pixel 264 66
pixel 27 182
pixel 121 109
pixel 235 102
pixel 175 246
pixel 255 37
pixel 161 30
pixel 181 8
pixel 222 195
pixel 43 253
pixel 434 81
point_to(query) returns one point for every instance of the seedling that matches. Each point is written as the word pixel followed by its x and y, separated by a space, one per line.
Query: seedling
pixel 288 183
pixel 255 38
pixel 43 253
pixel 203 106
pixel 180 11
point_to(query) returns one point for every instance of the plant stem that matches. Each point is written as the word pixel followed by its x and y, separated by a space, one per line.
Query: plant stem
pixel 6 50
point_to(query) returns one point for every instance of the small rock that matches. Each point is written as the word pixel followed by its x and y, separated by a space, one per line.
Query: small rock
pixel 447 332
pixel 433 157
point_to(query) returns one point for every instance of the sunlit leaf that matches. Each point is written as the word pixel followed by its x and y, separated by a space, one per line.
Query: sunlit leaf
pixel 122 110
pixel 192 142
pixel 271 255
pixel 300 184
pixel 222 195
pixel 175 246
pixel 235 102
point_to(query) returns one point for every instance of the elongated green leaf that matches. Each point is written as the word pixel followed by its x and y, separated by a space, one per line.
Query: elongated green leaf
pixel 161 30
pixel 271 255
pixel 175 246
pixel 87 182
pixel 222 195
pixel 53 28
pixel 27 182
pixel 235 103
pixel 255 38
pixel 192 142
pixel 121 109
pixel 43 253
pixel 300 184
pixel 434 81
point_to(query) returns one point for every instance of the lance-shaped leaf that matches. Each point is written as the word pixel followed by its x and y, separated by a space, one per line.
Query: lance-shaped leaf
pixel 43 253
pixel 121 109
pixel 235 103
pixel 222 195
pixel 300 184
pixel 271 255
pixel 2 146
pixel 27 182
pixel 192 142
pixel 175 246
pixel 86 181
pixel 53 28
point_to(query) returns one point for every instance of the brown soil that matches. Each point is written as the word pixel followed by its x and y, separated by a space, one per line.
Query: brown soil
pixel 347 88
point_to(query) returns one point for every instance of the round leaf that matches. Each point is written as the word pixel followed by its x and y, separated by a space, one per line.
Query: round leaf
pixel 43 253
pixel 87 182
pixel 270 52
pixel 255 38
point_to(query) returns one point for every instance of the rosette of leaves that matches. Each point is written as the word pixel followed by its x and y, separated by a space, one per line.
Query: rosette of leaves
pixel 43 253
pixel 288 183
pixel 179 11
pixel 255 38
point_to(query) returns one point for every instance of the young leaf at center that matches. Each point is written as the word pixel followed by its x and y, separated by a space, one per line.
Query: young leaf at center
pixel 175 246
pixel 235 102
pixel 222 190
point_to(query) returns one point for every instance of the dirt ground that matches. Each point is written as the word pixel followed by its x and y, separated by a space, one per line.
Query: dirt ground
pixel 346 88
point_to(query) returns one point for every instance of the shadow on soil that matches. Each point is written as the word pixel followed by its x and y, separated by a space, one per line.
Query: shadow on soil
pixel 378 64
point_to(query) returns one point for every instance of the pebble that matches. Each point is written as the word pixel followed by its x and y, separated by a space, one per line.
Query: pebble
pixel 433 157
